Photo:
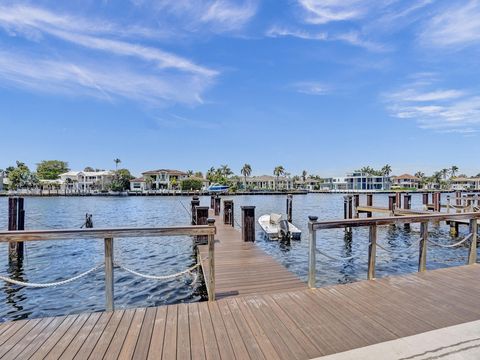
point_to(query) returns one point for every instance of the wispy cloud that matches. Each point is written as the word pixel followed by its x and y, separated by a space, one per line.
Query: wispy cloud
pixel 325 11
pixel 176 121
pixel 214 15
pixel 446 110
pixel 454 26
pixel 311 88
pixel 173 78
pixel 352 38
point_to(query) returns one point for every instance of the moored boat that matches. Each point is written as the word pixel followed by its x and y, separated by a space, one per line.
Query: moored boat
pixel 277 228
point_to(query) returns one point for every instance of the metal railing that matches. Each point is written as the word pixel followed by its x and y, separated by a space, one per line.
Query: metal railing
pixel 108 235
pixel 373 223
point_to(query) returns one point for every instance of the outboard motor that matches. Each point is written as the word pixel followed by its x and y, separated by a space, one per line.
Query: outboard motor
pixel 284 231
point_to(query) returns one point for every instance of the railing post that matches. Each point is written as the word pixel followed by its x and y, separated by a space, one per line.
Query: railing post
pixel 422 256
pixel 211 263
pixel 472 253
pixel 372 251
pixel 109 274
pixel 312 247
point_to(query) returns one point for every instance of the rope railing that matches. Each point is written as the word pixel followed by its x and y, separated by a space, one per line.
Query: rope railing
pixel 373 223
pixel 451 245
pixel 52 284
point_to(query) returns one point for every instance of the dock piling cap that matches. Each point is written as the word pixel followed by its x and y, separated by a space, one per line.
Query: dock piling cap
pixel 313 218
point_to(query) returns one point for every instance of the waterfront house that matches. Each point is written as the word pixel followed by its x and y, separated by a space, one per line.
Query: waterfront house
pixel 138 184
pixel 309 184
pixel 464 183
pixel 268 182
pixel 334 184
pixel 163 179
pixel 406 181
pixel 86 181
pixel 364 181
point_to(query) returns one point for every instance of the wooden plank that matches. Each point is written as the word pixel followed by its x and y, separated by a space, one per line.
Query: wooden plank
pixel 104 341
pixel 81 336
pixel 92 338
pixel 183 333
pixel 18 336
pixel 116 344
pixel 158 334
pixel 130 342
pixel 145 337
pixel 209 339
pixel 170 342
pixel 232 331
pixel 223 341
pixel 196 336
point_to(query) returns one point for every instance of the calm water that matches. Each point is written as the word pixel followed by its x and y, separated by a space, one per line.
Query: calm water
pixel 57 260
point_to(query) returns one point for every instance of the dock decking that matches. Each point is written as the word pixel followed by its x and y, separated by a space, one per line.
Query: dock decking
pixel 300 324
pixel 242 268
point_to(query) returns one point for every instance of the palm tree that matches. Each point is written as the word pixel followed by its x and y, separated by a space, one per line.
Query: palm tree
pixel 279 170
pixel 304 175
pixel 246 171
pixel 386 170
pixel 189 172
pixel 225 170
pixel 117 161
pixel 444 173
pixel 453 170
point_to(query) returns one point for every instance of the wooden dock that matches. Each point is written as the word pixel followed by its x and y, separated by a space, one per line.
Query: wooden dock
pixel 300 324
pixel 242 268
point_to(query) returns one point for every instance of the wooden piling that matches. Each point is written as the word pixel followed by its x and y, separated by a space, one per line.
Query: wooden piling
pixel 289 207
pixel 217 205
pixel 372 251
pixel 16 221
pixel 369 203
pixel 391 203
pixel 109 280
pixel 212 202
pixel 472 251
pixel 356 203
pixel 345 207
pixel 458 198
pixel 248 223
pixel 407 205
pixel 398 200
pixel 202 219
pixel 422 253
pixel 350 207
pixel 312 252
pixel 194 203
pixel 228 212
pixel 425 199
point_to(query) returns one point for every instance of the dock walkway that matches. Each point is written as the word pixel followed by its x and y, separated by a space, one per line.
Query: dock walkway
pixel 301 324
pixel 242 268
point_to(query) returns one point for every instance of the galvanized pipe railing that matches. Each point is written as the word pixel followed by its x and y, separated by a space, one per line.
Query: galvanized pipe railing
pixel 110 234
pixel 373 223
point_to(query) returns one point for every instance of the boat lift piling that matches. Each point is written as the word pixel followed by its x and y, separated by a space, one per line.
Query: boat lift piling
pixel 289 207
pixel 16 221
pixel 248 223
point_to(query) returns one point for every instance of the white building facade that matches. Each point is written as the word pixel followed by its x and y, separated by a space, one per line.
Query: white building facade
pixel 163 179
pixel 86 181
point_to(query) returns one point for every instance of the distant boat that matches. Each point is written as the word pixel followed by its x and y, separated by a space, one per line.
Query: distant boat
pixel 276 228
pixel 218 188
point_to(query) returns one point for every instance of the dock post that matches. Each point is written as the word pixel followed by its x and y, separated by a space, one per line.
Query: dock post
pixel 109 306
pixel 422 256
pixel 369 203
pixel 248 223
pixel 202 219
pixel 439 202
pixel 448 204
pixel 425 201
pixel 398 200
pixel 345 208
pixel 194 203
pixel 458 197
pixel 407 205
pixel 372 251
pixel 391 203
pixel 472 252
pixel 211 263
pixel 312 252
pixel 228 212
pixel 350 206
pixel 356 204
pixel 217 205
pixel 212 202
pixel 289 207
pixel 16 221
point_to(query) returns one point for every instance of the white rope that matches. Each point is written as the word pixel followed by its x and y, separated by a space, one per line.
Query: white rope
pixel 452 245
pixel 336 257
pixel 45 285
pixel 163 277
pixel 401 250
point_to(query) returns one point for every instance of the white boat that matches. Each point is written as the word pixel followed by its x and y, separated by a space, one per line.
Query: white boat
pixel 277 228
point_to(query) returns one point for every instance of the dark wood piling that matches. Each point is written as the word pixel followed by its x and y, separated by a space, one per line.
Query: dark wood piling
pixel 212 202
pixel 345 207
pixel 228 212
pixel 16 221
pixel 392 202
pixel 350 207
pixel 356 203
pixel 217 205
pixel 438 202
pixel 248 223
pixel 407 205
pixel 425 199
pixel 202 219
pixel 398 200
pixel 369 203
pixel 289 207
pixel 458 198
pixel 194 203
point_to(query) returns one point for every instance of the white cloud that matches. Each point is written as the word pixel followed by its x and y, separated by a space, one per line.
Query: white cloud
pixel 352 38
pixel 311 88
pixel 456 25
pixel 325 11
pixel 446 110
pixel 227 15
pixel 173 78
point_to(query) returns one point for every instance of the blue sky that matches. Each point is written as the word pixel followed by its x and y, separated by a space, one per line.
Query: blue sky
pixel 326 85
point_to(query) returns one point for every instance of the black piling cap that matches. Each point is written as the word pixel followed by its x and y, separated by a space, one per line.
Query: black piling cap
pixel 313 218
pixel 210 221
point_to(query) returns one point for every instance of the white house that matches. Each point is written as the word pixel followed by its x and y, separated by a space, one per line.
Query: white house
pixel 406 181
pixel 163 179
pixel 463 183
pixel 268 182
pixel 83 181
pixel 334 184
pixel 308 184
pixel 363 181
pixel 138 184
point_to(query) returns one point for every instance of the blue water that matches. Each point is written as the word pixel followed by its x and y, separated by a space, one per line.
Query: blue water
pixel 57 260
